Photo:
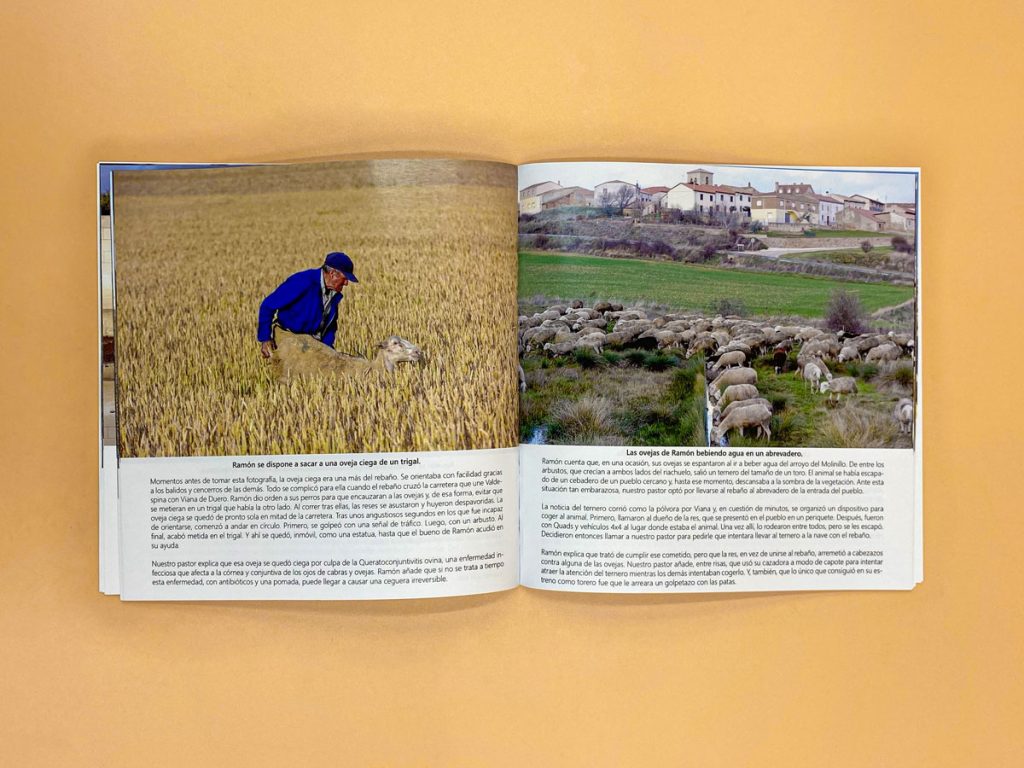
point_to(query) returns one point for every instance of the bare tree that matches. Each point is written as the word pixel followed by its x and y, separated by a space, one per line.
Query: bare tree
pixel 625 197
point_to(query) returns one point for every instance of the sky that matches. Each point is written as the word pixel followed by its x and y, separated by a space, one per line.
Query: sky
pixel 887 186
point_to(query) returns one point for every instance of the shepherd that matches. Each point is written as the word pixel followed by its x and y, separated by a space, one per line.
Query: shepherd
pixel 306 303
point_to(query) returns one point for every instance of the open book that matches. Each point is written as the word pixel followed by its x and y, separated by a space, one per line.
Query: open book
pixel 424 378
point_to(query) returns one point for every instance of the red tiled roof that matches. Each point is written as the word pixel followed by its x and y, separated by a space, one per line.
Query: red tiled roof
pixel 524 190
pixel 863 213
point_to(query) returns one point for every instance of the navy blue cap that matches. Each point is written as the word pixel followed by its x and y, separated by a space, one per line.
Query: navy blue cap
pixel 341 262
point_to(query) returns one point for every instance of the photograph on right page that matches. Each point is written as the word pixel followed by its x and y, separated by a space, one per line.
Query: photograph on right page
pixel 712 305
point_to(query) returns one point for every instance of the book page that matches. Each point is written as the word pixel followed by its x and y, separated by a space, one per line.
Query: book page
pixel 722 385
pixel 314 381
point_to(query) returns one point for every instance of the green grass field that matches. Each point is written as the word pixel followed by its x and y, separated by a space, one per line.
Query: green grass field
pixel 875 258
pixel 686 286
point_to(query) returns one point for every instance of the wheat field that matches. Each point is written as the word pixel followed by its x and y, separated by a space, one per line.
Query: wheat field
pixel 434 245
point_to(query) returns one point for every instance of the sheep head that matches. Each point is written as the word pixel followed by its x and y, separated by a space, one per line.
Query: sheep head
pixel 395 350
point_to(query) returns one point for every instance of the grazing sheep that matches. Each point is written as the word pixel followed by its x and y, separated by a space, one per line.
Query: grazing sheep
pixel 779 357
pixel 701 344
pixel 883 352
pixel 537 337
pixel 870 341
pixel 844 385
pixel 848 353
pixel 733 346
pixel 733 376
pixel 663 339
pixel 298 354
pixel 905 340
pixel 743 403
pixel 593 342
pixel 806 333
pixel 821 348
pixel 754 415
pixel 904 414
pixel 802 361
pixel 580 325
pixel 737 392
pixel 560 348
pixel 730 359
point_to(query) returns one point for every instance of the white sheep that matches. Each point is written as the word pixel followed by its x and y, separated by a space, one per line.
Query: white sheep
pixel 742 403
pixel 887 351
pixel 754 415
pixel 903 413
pixel 733 376
pixel 848 353
pixel 730 359
pixel 737 392
pixel 812 375
pixel 844 385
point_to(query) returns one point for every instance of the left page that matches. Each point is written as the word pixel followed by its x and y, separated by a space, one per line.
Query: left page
pixel 310 381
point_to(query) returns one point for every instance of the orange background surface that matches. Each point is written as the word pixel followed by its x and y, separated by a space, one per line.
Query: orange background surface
pixel 924 678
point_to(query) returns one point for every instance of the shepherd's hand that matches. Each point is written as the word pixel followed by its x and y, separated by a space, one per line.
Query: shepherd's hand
pixel 267 349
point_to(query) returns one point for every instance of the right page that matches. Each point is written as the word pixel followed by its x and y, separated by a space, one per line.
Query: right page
pixel 721 377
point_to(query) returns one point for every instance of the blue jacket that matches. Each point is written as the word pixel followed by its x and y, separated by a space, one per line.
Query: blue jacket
pixel 298 305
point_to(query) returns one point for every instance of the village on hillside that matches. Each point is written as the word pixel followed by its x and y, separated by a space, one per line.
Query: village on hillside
pixel 699 200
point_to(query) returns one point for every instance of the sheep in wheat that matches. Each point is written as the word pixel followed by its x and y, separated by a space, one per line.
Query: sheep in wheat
pixel 298 354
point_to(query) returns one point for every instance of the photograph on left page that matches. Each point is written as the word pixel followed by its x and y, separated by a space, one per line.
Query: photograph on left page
pixel 346 307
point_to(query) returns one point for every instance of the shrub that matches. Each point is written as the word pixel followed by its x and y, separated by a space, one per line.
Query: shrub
pixel 729 307
pixel 588 358
pixel 541 241
pixel 684 380
pixel 866 246
pixel 901 374
pixel 861 370
pixel 610 357
pixel 845 312
pixel 900 244
pixel 707 251
pixel 635 357
pixel 656 361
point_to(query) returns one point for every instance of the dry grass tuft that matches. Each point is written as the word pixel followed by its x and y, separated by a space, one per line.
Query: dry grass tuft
pixel 583 421
pixel 852 426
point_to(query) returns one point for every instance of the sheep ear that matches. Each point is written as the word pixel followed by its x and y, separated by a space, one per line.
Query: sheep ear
pixel 389 365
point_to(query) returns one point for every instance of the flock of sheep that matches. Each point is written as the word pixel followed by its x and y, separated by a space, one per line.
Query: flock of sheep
pixel 729 343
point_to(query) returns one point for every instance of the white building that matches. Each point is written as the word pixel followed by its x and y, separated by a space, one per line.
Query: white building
pixel 700 195
pixel 828 210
